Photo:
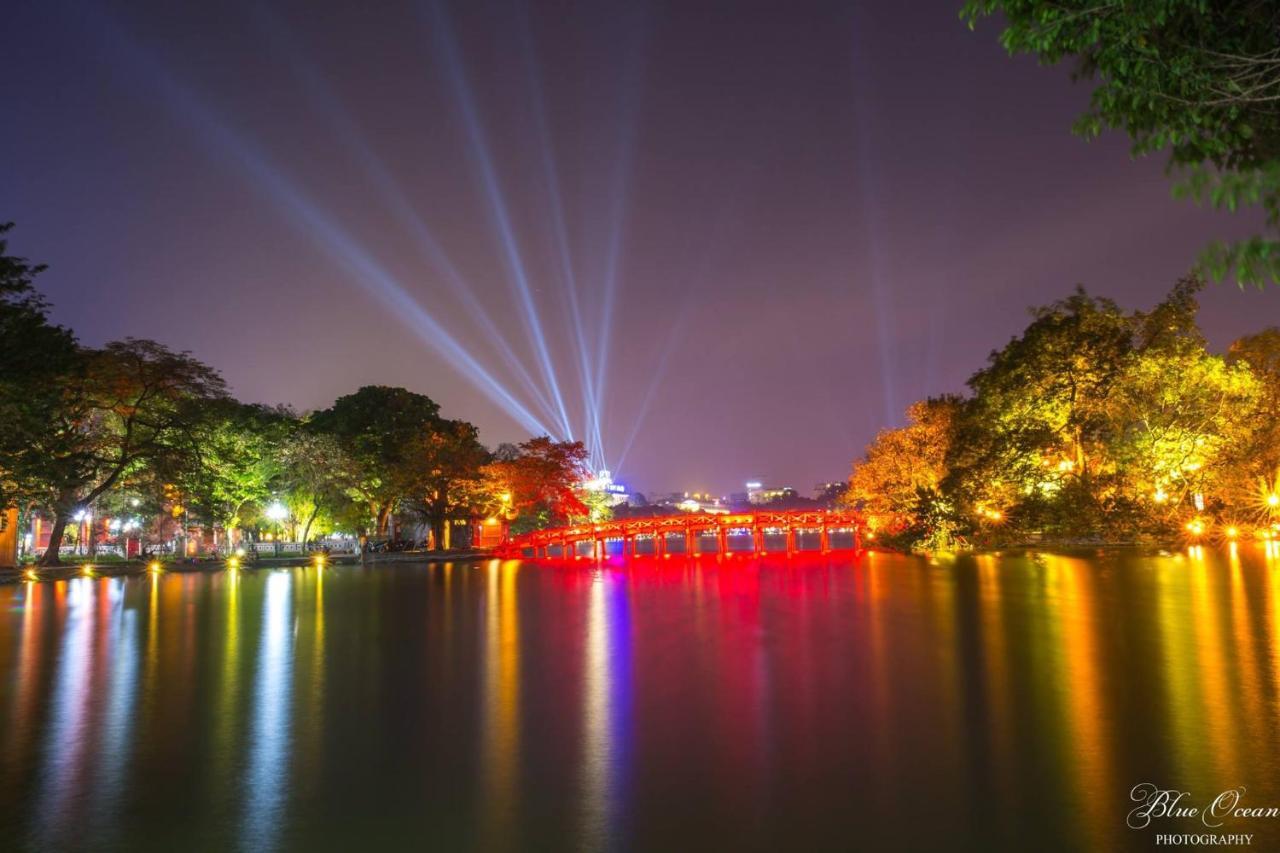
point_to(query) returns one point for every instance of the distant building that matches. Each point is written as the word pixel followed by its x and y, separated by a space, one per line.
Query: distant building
pixel 829 494
pixel 694 502
pixel 603 482
pixel 763 496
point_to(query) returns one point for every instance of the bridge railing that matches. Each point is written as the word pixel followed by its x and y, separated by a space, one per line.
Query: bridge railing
pixel 833 529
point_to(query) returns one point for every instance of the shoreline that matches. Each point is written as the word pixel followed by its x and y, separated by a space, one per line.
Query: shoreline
pixel 135 568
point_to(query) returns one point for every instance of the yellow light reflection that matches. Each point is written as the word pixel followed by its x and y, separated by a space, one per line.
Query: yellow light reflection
pixel 501 746
pixel 1092 742
pixel 596 690
pixel 1248 686
pixel 995 653
pixel 229 691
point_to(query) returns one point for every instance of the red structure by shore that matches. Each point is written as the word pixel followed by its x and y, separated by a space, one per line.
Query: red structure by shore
pixel 754 533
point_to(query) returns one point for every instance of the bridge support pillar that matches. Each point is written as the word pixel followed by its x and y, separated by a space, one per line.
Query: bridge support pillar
pixel 722 541
pixel 660 543
pixel 757 540
pixel 825 539
pixel 690 542
pixel 791 540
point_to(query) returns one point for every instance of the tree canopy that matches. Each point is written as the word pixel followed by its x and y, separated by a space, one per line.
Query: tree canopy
pixel 1093 423
pixel 131 412
pixel 1197 79
pixel 537 482
pixel 35 358
pixel 379 428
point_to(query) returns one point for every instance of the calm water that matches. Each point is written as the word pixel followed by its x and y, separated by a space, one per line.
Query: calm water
pixel 878 702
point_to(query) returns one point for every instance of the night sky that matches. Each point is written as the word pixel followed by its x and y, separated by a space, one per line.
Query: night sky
pixel 782 221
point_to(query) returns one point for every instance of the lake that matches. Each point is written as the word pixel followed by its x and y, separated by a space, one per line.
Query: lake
pixel 869 701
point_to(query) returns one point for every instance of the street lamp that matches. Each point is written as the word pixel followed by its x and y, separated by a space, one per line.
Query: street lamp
pixel 277 513
pixel 84 518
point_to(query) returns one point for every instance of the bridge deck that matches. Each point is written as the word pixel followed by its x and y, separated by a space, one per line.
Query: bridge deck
pixel 690 529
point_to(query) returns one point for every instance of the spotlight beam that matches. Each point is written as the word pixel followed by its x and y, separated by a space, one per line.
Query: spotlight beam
pixel 864 154
pixel 310 219
pixel 724 223
pixel 655 381
pixel 617 218
pixel 591 411
pixel 478 148
pixel 321 96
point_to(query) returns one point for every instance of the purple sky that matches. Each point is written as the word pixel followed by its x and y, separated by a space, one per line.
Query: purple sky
pixel 812 213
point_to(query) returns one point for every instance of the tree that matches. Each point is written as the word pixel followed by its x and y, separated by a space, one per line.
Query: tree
pixel 1178 416
pixel 1259 456
pixel 241 454
pixel 1198 79
pixel 1032 440
pixel 448 476
pixel 903 464
pixel 134 409
pixel 36 360
pixel 1093 423
pixel 319 475
pixel 380 428
pixel 540 479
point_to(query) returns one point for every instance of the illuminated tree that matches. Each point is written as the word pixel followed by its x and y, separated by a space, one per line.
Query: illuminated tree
pixel 540 480
pixel 1092 423
pixel 1259 456
pixel 1032 442
pixel 320 479
pixel 902 464
pixel 1198 79
pixel 240 450
pixel 447 466
pixel 133 411
pixel 1180 414
pixel 380 428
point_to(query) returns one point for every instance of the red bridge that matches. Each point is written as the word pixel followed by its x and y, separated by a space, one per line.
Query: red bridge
pixel 764 532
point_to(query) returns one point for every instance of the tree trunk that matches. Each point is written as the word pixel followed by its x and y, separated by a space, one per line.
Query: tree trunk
pixel 384 515
pixel 438 527
pixel 50 556
pixel 306 530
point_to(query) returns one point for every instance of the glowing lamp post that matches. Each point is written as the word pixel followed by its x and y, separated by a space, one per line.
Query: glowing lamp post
pixel 277 513
pixel 84 518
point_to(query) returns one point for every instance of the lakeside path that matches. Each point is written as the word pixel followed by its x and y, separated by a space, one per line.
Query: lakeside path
pixel 67 571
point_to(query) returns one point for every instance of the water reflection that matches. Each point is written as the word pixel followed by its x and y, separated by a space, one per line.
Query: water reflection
pixel 226 725
pixel 1089 745
pixel 28 601
pixel 501 708
pixel 67 737
pixel 117 728
pixel 990 702
pixel 606 711
pixel 267 779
